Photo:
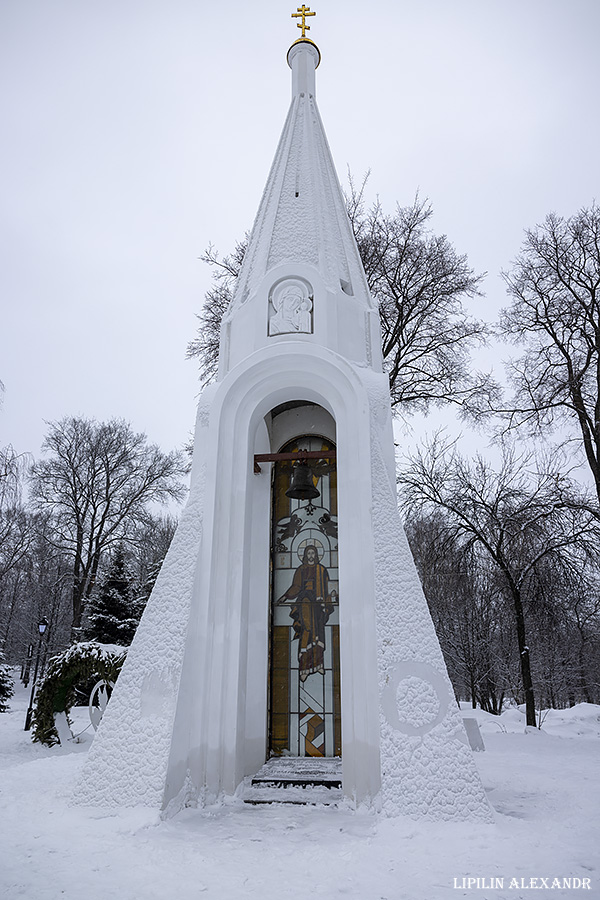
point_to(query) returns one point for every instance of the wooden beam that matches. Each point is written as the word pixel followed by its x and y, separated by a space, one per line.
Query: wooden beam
pixel 300 456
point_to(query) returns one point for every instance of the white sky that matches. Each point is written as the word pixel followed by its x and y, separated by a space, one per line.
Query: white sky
pixel 136 131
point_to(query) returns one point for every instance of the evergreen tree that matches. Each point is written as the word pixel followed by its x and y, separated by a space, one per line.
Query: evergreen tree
pixel 113 616
pixel 6 686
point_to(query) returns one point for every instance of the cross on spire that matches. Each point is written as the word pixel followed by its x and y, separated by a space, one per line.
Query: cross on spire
pixel 303 12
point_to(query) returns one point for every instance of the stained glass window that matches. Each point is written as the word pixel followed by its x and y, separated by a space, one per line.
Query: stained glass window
pixel 304 695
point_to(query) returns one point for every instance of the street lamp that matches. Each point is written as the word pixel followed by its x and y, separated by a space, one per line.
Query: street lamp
pixel 42 625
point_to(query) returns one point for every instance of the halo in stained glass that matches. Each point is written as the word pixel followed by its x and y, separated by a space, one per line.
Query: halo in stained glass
pixel 310 542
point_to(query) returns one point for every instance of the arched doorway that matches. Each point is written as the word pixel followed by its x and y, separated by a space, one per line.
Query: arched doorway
pixel 304 657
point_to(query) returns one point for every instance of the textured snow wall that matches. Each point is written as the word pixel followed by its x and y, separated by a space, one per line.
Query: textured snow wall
pixel 427 766
pixel 127 762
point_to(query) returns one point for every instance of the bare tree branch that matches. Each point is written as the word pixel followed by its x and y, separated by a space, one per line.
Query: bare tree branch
pixel 554 285
pixel 519 516
pixel 97 484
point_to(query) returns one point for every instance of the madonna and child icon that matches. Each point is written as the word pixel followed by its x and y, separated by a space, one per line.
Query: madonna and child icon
pixel 293 309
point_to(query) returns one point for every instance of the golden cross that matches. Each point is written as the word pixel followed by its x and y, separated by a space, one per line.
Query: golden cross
pixel 303 11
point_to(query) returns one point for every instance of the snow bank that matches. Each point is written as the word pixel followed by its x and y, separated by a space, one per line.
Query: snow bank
pixel 544 792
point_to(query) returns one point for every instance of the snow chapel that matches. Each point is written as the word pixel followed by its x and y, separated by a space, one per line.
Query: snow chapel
pixel 287 641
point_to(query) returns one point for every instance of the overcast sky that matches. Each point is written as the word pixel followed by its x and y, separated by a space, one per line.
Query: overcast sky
pixel 135 132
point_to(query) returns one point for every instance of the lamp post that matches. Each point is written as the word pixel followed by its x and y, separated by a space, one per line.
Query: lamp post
pixel 42 625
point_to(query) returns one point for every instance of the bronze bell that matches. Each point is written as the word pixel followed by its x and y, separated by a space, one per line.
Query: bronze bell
pixel 301 483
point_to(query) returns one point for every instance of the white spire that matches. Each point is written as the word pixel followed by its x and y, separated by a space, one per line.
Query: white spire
pixel 302 219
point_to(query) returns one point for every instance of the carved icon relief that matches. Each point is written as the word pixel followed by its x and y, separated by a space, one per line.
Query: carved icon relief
pixel 290 307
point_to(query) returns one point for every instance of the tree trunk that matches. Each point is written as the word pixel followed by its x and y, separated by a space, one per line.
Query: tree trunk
pixel 77 601
pixel 83 584
pixel 583 682
pixel 524 657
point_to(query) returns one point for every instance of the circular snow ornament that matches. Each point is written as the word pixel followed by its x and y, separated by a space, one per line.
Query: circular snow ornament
pixel 415 698
pixel 99 701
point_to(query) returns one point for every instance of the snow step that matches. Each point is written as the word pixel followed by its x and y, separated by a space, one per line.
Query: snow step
pixel 309 795
pixel 300 780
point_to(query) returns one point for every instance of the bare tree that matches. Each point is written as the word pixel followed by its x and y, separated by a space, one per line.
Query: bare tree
pixel 573 588
pixel 149 547
pixel 517 516
pixel 38 587
pixel 205 346
pixel 13 467
pixel 97 484
pixel 15 531
pixel 468 610
pixel 16 537
pixel 555 315
pixel 419 282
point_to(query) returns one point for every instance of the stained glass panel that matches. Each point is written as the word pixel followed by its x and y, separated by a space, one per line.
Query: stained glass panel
pixel 304 669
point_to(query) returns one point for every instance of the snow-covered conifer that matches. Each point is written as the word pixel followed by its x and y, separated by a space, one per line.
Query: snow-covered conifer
pixel 6 685
pixel 113 613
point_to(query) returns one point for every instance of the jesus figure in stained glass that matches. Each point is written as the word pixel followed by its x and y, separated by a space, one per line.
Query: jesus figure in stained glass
pixel 313 604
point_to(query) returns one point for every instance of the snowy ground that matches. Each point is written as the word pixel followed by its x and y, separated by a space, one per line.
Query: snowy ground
pixel 544 787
